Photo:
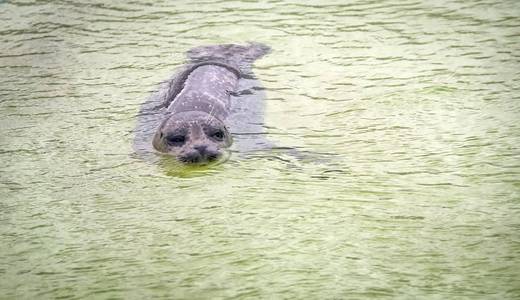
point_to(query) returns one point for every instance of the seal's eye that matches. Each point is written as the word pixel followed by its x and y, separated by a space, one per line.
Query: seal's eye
pixel 218 135
pixel 175 140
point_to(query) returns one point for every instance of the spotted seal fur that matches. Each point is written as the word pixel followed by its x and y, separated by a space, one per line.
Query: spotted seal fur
pixel 194 110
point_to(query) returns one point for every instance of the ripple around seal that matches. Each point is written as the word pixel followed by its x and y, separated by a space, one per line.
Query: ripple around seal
pixel 394 172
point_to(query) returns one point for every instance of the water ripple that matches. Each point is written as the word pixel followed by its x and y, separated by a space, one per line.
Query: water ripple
pixel 395 168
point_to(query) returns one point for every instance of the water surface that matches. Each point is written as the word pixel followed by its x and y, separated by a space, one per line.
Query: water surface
pixel 418 100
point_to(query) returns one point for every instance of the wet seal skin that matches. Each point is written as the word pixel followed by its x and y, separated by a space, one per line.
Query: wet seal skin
pixel 192 137
pixel 195 109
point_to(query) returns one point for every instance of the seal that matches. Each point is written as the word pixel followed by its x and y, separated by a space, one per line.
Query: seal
pixel 195 109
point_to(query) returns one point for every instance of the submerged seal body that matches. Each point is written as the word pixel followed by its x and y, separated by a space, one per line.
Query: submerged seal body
pixel 193 112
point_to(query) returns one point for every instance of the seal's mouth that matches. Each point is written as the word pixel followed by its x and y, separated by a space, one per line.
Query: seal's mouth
pixel 201 158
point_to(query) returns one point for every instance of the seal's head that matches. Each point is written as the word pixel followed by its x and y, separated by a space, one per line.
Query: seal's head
pixel 193 137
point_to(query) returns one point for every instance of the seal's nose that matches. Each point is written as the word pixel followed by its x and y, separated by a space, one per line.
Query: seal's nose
pixel 207 153
pixel 200 148
pixel 200 153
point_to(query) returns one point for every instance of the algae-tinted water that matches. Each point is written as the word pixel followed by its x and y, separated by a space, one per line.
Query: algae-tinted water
pixel 419 101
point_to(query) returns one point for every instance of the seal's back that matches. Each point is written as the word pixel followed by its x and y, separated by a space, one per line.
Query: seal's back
pixel 208 84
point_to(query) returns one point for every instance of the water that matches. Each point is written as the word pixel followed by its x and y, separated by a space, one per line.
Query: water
pixel 419 102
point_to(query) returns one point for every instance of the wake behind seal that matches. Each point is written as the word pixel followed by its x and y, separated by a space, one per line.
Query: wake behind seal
pixel 194 112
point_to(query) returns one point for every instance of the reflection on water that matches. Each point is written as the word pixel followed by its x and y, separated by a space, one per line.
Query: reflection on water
pixel 417 101
pixel 172 167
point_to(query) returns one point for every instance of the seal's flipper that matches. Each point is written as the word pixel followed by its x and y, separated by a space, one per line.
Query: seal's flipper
pixel 237 56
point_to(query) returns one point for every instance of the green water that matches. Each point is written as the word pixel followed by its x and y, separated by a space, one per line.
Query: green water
pixel 419 100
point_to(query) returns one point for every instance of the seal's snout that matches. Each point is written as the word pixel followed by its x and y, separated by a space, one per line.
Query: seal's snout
pixel 201 148
pixel 200 154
